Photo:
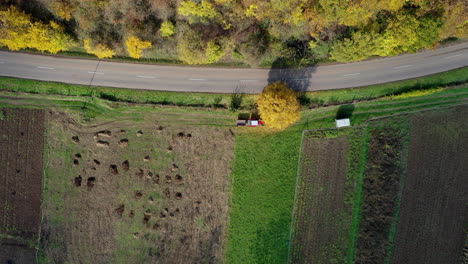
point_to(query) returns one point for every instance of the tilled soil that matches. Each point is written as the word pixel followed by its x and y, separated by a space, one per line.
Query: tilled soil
pixel 318 225
pixel 21 167
pixel 380 190
pixel 433 215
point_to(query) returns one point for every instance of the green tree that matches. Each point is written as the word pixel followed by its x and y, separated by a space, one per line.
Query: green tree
pixel 358 47
pixel 407 33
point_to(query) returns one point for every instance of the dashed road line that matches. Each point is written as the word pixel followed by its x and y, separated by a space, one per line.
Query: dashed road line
pixel 147 77
pixel 45 68
pixel 351 74
pixel 95 72
pixel 403 66
pixel 449 57
pixel 195 79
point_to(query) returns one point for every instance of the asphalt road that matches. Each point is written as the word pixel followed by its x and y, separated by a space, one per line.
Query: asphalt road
pixel 228 80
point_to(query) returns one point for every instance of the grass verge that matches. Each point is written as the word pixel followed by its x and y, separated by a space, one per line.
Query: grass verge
pixel 308 100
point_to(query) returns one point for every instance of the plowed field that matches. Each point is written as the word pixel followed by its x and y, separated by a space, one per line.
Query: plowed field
pixel 434 215
pixel 325 194
pixel 21 169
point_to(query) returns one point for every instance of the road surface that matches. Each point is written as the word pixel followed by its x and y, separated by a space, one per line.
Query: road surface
pixel 229 80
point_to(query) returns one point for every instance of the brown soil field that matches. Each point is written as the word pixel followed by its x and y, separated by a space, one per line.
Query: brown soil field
pixel 135 192
pixel 385 166
pixel 21 169
pixel 433 213
pixel 322 218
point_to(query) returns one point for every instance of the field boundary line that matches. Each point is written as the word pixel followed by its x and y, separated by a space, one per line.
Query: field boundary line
pixel 299 170
pixel 404 158
pixel 45 155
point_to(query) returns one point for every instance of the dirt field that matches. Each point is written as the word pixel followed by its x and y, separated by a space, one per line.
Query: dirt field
pixel 385 167
pixel 135 192
pixel 433 215
pixel 321 216
pixel 21 152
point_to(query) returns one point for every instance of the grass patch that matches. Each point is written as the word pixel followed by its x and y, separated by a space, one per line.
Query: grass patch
pixel 264 177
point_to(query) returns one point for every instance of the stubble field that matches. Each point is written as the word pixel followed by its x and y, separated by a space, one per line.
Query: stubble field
pixel 134 192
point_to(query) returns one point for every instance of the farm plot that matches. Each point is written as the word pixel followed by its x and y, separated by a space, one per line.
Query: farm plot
pixel 433 213
pixel 326 193
pixel 21 169
pixel 381 188
pixel 134 192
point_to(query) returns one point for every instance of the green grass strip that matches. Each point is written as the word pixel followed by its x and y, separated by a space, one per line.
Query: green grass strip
pixel 310 99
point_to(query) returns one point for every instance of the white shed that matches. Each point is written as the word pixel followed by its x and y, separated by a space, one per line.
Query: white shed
pixel 343 122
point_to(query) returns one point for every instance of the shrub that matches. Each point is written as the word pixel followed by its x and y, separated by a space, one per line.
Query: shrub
pixel 213 52
pixel 167 29
pixel 135 46
pixel 101 50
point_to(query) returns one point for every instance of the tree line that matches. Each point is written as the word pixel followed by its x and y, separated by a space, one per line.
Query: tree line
pixel 253 32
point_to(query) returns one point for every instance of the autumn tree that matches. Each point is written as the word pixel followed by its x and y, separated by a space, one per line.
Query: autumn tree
pixel 18 31
pixel 63 9
pixel 135 46
pixel 278 105
pixel 197 12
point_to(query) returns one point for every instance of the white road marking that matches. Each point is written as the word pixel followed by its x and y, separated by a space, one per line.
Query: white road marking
pixel 449 57
pixel 249 80
pixel 404 66
pixel 351 74
pixel 193 79
pixel 144 76
pixel 95 72
pixel 46 68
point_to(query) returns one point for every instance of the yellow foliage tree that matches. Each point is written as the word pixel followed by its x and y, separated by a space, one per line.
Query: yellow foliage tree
pixel 197 12
pixel 19 32
pixel 278 105
pixel 135 46
pixel 167 29
pixel 101 51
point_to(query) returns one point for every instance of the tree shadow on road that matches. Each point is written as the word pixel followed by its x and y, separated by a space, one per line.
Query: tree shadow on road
pixel 297 79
